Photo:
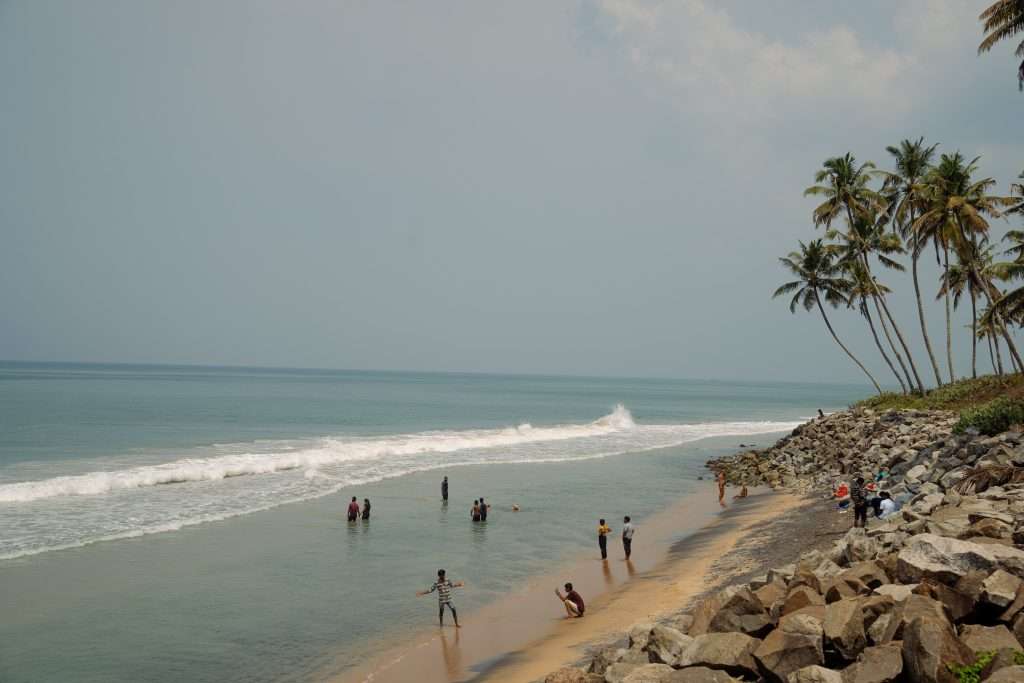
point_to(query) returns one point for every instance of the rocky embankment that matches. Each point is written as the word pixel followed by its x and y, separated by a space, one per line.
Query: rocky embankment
pixel 934 593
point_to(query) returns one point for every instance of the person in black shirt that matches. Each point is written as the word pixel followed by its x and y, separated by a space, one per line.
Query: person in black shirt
pixel 860 503
pixel 444 490
pixel 483 510
pixel 366 508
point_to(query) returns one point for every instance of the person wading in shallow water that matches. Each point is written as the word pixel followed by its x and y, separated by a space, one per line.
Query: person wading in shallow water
pixel 474 512
pixel 602 538
pixel 444 490
pixel 572 601
pixel 721 487
pixel 444 596
pixel 366 509
pixel 353 510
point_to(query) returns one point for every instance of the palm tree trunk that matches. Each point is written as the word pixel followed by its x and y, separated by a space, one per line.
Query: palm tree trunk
pixel 991 356
pixel 920 315
pixel 871 324
pixel 949 330
pixel 999 354
pixel 892 345
pixel 860 365
pixel 1014 356
pixel 974 333
pixel 880 299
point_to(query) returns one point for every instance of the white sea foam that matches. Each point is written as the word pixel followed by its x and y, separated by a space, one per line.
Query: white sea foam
pixel 71 511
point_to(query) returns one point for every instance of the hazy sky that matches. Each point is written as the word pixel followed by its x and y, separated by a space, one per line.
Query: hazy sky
pixel 596 187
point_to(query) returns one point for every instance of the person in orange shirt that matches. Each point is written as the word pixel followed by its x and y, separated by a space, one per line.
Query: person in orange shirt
pixel 602 538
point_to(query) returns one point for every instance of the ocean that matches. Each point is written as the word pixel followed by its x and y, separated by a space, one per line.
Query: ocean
pixel 163 523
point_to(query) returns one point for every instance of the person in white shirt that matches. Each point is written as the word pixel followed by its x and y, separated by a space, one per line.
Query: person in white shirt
pixel 627 536
pixel 887 507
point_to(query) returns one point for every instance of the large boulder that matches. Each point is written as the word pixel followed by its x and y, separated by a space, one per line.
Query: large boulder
pixel 701 674
pixel 1000 589
pixel 784 652
pixel 649 673
pixel 948 559
pixel 988 638
pixel 815 674
pixel 844 627
pixel 665 645
pixel 879 664
pixel 1010 674
pixel 730 652
pixel 740 610
pixel 639 634
pixel 618 671
pixel 912 608
pixel 800 597
pixel 571 674
pixel 929 645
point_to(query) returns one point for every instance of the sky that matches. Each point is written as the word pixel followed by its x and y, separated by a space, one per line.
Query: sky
pixel 597 187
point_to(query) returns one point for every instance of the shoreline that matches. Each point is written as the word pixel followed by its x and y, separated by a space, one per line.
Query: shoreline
pixel 523 636
pixel 695 565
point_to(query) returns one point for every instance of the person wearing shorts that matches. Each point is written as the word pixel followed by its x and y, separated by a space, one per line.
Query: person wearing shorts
pixel 443 587
pixel 627 536
pixel 572 601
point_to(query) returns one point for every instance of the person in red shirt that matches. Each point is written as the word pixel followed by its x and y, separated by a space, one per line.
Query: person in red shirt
pixel 353 510
pixel 572 601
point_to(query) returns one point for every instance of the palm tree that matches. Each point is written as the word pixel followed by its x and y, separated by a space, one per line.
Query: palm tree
pixel 1009 305
pixel 912 159
pixel 1004 19
pixel 860 292
pixel 954 217
pixel 817 276
pixel 845 186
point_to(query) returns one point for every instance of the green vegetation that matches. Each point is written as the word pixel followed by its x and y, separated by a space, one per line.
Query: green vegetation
pixel 1018 658
pixel 992 417
pixel 959 396
pixel 971 673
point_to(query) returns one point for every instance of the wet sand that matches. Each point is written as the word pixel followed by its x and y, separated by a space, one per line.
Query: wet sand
pixel 677 555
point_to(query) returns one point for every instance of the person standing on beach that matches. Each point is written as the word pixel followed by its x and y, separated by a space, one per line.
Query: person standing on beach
pixel 444 596
pixel 572 601
pixel 483 510
pixel 721 487
pixel 475 511
pixel 602 538
pixel 627 536
pixel 353 510
pixel 444 490
pixel 366 509
pixel 860 503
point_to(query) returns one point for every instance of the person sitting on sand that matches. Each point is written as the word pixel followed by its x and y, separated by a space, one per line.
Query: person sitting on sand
pixel 475 511
pixel 366 509
pixel 743 491
pixel 602 538
pixel 444 596
pixel 572 601
pixel 842 494
pixel 353 510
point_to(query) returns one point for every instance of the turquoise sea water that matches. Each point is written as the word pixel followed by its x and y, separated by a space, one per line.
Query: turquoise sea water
pixel 183 523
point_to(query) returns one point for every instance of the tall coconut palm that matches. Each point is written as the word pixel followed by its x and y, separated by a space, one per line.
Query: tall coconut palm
pixel 1006 306
pixel 1001 20
pixel 862 291
pixel 818 276
pixel 954 216
pixel 912 160
pixel 844 184
pixel 868 236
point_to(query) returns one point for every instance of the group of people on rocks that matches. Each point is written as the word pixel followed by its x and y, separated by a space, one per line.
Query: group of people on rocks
pixel 862 496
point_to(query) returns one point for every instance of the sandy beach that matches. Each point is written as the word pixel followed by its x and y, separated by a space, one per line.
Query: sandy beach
pixel 524 636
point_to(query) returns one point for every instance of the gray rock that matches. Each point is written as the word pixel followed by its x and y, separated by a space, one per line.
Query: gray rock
pixel 783 653
pixel 844 627
pixel 881 664
pixel 649 673
pixel 665 645
pixel 1010 674
pixel 1000 588
pixel 731 652
pixel 618 671
pixel 949 559
pixel 701 674
pixel 988 638
pixel 815 674
pixel 929 645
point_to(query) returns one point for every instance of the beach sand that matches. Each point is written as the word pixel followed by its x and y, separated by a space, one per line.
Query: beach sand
pixel 525 636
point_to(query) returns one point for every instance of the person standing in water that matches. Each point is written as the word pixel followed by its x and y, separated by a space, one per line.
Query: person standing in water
pixel 475 511
pixel 483 510
pixel 366 509
pixel 444 490
pixel 444 596
pixel 627 536
pixel 353 510
pixel 721 487
pixel 602 538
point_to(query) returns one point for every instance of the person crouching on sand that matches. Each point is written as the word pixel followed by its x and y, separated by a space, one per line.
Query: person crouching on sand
pixel 444 596
pixel 572 601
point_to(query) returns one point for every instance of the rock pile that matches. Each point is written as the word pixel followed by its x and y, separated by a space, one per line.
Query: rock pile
pixel 939 585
